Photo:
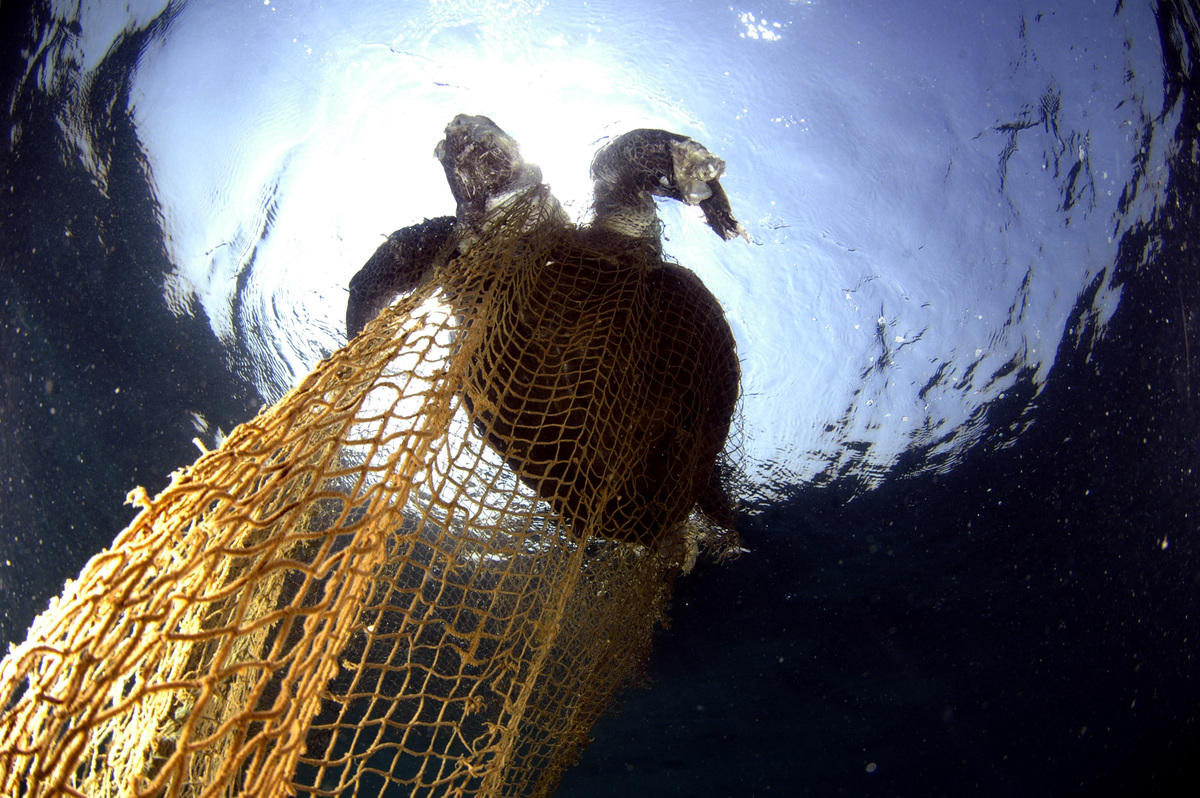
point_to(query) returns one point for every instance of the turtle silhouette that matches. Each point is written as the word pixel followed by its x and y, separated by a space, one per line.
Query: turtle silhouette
pixel 608 377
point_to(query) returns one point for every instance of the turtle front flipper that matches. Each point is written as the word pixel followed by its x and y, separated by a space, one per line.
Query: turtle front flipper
pixel 396 268
pixel 633 168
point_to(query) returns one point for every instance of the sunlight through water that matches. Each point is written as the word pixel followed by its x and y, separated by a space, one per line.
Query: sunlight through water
pixel 924 218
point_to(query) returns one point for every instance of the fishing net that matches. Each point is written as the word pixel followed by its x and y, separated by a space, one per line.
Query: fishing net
pixel 426 570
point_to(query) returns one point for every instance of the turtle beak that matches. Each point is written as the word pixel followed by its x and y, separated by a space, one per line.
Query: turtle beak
pixel 719 215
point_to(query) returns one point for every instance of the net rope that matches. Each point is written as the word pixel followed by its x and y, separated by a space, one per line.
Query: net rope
pixel 426 570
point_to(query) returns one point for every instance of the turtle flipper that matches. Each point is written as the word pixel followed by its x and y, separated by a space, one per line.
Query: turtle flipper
pixel 396 268
pixel 646 163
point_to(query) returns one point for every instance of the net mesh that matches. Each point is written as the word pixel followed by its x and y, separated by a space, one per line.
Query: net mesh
pixel 425 571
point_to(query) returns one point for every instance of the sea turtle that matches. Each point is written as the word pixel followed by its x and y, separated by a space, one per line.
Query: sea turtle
pixel 609 378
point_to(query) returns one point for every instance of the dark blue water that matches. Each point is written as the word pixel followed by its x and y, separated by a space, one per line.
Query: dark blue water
pixel 968 326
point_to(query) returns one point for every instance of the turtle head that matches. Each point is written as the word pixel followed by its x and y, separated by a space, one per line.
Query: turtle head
pixel 483 164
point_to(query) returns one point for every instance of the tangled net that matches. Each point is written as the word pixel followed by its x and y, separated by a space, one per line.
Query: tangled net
pixel 425 571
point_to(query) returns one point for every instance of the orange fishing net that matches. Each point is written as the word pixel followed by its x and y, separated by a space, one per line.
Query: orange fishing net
pixel 426 570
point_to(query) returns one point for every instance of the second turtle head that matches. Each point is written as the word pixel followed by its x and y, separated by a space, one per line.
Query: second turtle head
pixel 483 163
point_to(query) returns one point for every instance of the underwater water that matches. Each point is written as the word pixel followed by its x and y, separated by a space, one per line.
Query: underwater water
pixel 967 322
